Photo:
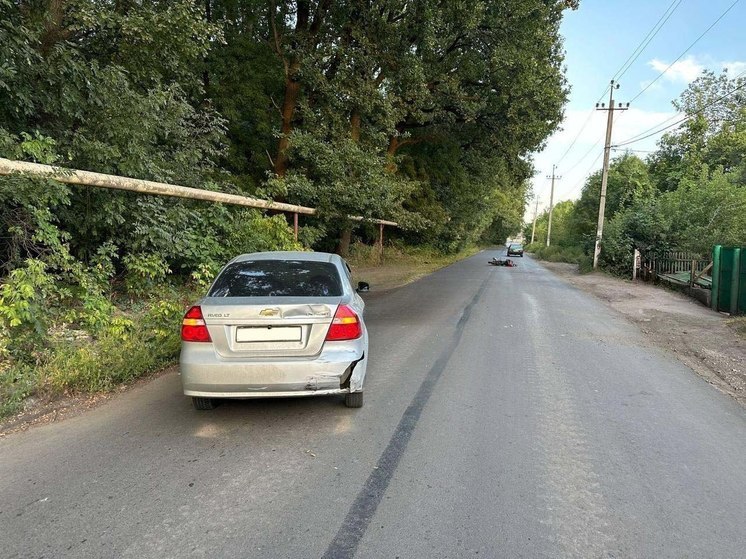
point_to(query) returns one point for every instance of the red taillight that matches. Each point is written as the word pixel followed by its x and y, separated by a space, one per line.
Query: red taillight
pixel 193 328
pixel 345 325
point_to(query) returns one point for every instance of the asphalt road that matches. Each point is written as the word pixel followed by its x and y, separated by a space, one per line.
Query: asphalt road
pixel 507 415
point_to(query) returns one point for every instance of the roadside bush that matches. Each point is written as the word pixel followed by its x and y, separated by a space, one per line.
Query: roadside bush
pixel 17 382
pixel 368 255
pixel 74 361
pixel 144 271
pixel 617 247
pixel 86 309
pixel 569 254
pixel 117 357
pixel 585 265
pixel 364 255
pixel 556 253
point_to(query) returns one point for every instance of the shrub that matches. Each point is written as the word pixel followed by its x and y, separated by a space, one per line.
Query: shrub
pixel 17 382
pixel 556 253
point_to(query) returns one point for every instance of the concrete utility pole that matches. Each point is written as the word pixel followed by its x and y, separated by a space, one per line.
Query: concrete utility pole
pixel 551 203
pixel 605 174
pixel 536 213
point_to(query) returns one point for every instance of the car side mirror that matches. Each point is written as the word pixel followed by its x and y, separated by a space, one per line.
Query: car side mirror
pixel 362 287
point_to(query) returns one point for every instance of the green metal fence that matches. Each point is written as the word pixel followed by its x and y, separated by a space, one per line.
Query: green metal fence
pixel 729 279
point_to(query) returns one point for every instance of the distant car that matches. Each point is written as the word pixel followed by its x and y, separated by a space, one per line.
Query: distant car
pixel 276 324
pixel 515 250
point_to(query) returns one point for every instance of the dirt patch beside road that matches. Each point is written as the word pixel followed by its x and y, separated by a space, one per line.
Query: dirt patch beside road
pixel 400 269
pixel 43 409
pixel 702 339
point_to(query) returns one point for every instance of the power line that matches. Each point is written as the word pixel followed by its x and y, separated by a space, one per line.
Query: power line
pixel 588 170
pixel 625 66
pixel 678 115
pixel 654 133
pixel 585 175
pixel 587 120
pixel 646 40
pixel 636 139
pixel 659 76
pixel 586 154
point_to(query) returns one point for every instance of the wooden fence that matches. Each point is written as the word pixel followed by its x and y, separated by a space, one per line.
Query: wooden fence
pixel 655 264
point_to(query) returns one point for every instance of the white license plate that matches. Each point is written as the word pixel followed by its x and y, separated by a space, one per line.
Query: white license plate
pixel 269 334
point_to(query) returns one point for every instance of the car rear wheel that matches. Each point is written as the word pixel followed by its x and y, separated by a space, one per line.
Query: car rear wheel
pixel 203 403
pixel 354 400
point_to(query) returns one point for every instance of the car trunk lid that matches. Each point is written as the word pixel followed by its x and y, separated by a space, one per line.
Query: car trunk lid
pixel 260 327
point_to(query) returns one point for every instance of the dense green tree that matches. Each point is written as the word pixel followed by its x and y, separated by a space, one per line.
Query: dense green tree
pixel 692 194
pixel 423 111
pixel 627 182
pixel 562 235
pixel 713 135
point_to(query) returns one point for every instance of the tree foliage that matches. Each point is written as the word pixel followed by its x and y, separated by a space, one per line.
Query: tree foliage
pixel 421 111
pixel 690 194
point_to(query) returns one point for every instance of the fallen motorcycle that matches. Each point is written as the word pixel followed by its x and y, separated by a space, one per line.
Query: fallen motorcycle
pixel 502 262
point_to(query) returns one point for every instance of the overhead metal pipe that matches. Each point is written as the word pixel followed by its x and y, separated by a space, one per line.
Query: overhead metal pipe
pixel 115 182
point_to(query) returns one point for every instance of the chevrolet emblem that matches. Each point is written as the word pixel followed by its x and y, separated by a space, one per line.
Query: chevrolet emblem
pixel 269 312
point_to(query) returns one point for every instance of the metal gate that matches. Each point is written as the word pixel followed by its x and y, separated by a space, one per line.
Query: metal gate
pixel 729 279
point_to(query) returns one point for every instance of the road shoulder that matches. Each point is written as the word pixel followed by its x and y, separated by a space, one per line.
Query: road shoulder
pixel 700 338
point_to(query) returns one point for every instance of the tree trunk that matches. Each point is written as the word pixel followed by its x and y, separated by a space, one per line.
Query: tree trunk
pixel 206 71
pixel 305 36
pixel 54 32
pixel 355 121
pixel 292 90
pixel 393 146
pixel 343 247
pixel 390 153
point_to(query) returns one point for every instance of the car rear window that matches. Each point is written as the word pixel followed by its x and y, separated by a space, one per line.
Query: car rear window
pixel 278 278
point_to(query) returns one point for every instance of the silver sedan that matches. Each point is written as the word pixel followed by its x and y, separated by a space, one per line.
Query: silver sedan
pixel 276 324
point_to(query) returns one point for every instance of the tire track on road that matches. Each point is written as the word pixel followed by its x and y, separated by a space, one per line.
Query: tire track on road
pixel 355 524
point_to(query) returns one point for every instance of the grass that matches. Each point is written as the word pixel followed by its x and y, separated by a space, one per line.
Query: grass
pixel 17 382
pixel 399 266
pixel 571 255
pixel 143 340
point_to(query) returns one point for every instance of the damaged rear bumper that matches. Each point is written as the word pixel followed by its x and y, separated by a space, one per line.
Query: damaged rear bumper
pixel 339 369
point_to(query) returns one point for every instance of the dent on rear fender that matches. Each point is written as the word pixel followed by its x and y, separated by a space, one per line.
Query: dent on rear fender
pixel 358 375
pixel 323 381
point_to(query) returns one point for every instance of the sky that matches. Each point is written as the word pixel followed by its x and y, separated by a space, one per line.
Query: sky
pixel 599 37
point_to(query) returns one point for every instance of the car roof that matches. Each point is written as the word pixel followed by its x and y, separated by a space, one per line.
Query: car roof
pixel 288 255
